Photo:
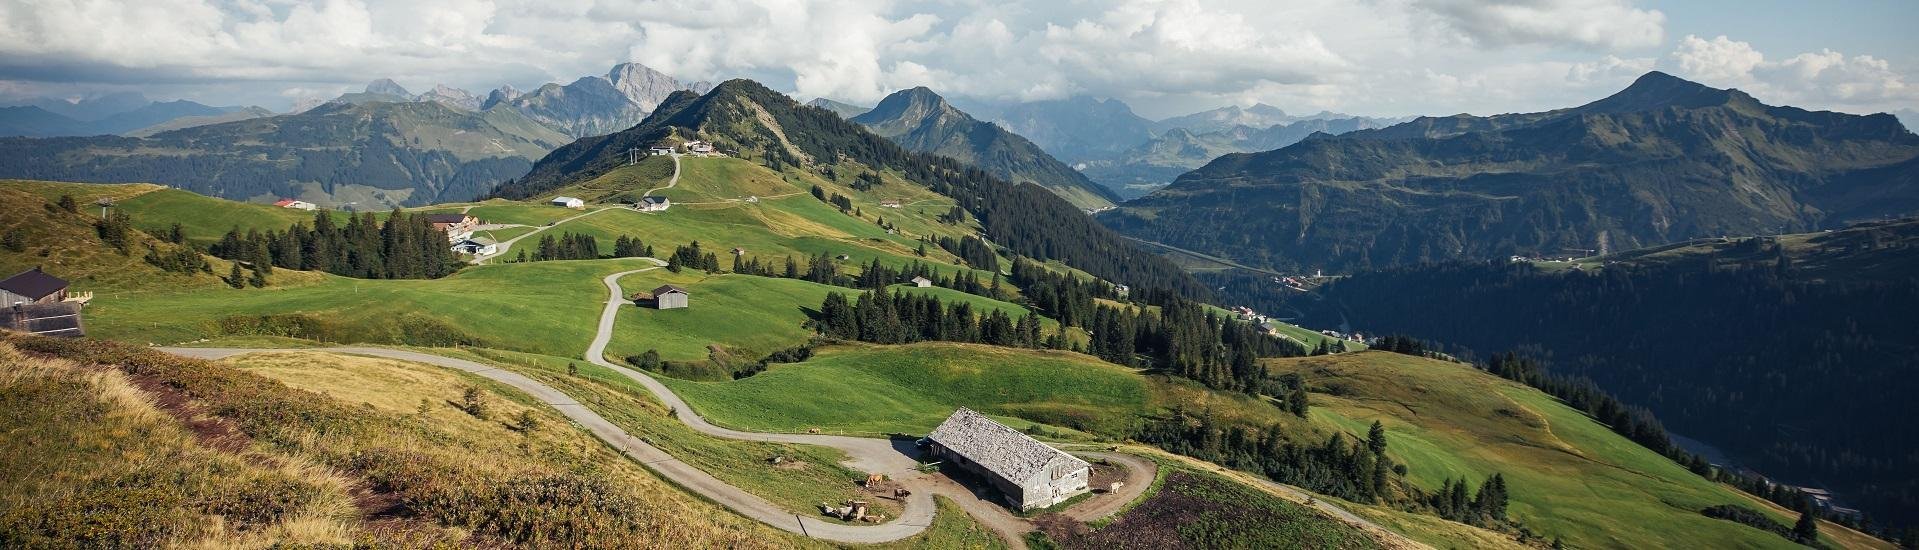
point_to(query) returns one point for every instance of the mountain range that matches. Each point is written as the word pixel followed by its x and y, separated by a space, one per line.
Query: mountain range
pixel 1178 150
pixel 1663 160
pixel 844 110
pixel 922 121
pixel 369 154
pixel 112 115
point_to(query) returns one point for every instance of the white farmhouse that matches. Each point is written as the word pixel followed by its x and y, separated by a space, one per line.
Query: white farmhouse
pixel 1028 473
pixel 569 202
pixel 654 203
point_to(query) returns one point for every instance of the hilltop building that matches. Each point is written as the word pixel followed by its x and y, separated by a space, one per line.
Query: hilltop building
pixel 295 204
pixel 569 202
pixel 458 226
pixel 1027 473
pixel 669 297
pixel 660 150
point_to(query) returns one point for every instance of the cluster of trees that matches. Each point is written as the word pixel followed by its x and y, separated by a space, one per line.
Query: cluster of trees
pixel 973 250
pixel 690 255
pixel 630 247
pixel 1353 470
pixel 886 317
pixel 1728 351
pixel 1804 531
pixel 1062 296
pixel 570 246
pixel 1188 340
pixel 837 200
pixel 178 259
pixel 404 246
pixel 115 229
pixel 1487 507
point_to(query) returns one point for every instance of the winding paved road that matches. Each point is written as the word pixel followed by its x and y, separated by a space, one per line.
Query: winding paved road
pixel 894 458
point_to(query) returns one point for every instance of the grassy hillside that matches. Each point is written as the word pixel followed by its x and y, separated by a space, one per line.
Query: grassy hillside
pixel 544 307
pixel 1570 476
pixel 236 456
pixel 865 389
pixel 745 317
pixel 155 208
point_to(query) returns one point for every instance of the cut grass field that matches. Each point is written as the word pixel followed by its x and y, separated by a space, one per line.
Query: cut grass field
pixel 868 390
pixel 1570 476
pixel 544 307
pixel 747 317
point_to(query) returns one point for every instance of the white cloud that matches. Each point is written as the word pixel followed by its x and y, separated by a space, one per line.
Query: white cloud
pixel 1598 24
pixel 1822 80
pixel 1162 56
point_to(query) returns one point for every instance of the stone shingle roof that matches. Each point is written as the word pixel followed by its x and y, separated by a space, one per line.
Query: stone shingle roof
pixel 1002 450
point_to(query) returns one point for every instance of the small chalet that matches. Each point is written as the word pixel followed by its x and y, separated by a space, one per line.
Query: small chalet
pixel 922 282
pixel 477 246
pixel 457 226
pixel 699 147
pixel 669 297
pixel 295 204
pixel 890 203
pixel 1028 473
pixel 569 202
pixel 32 286
pixel 1122 290
pixel 654 203
pixel 660 150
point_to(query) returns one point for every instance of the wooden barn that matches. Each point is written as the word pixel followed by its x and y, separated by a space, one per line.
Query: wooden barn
pixel 32 286
pixel 669 297
pixel 1027 473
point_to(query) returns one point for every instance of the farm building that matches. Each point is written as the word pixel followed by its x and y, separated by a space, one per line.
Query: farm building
pixel 295 204
pixel 890 203
pixel 669 297
pixel 660 150
pixel 700 147
pixel 569 202
pixel 654 203
pixel 922 282
pixel 477 246
pixel 1028 473
pixel 32 286
pixel 456 225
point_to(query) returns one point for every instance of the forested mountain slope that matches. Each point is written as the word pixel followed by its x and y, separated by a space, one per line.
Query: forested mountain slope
pixel 1793 354
pixel 1662 161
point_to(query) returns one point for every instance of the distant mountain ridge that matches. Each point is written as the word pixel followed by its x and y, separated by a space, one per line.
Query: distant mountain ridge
pixel 921 120
pixel 596 105
pixel 1663 160
pixel 376 154
pixel 35 120
pixel 1180 150
pixel 844 110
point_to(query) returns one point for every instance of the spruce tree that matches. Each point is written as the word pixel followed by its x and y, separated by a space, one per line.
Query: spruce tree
pixel 1376 438
pixel 234 278
pixel 1806 531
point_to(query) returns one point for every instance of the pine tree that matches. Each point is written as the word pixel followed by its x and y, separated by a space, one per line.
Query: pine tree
pixel 259 278
pixel 1376 439
pixel 1806 530
pixel 234 278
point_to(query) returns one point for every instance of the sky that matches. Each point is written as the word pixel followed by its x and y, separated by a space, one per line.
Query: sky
pixel 1163 57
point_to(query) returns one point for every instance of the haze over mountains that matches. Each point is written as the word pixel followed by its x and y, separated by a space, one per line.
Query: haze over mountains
pixel 1663 160
pixel 921 120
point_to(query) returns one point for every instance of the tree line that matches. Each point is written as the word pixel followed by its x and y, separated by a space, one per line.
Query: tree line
pixel 885 317
pixel 404 246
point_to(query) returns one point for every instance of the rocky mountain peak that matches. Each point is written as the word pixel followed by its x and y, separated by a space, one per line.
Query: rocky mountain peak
pixel 388 87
